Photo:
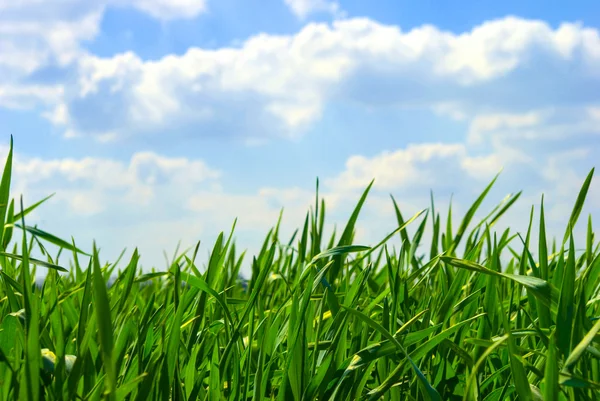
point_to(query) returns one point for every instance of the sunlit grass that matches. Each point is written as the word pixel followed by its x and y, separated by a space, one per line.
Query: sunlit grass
pixel 319 319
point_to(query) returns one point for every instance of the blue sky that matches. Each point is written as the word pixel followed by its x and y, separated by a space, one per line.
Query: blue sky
pixel 156 121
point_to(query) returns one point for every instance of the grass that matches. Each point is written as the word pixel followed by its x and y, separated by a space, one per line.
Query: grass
pixel 319 319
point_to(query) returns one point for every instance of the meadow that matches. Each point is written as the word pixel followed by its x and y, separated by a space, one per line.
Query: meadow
pixel 320 318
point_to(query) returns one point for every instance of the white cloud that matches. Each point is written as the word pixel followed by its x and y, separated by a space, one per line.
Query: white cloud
pixel 166 9
pixel 150 201
pixel 485 123
pixel 138 202
pixel 36 34
pixel 29 96
pixel 455 172
pixel 31 39
pixel 92 185
pixel 560 171
pixel 443 167
pixel 303 8
pixel 415 166
pixel 58 116
pixel 594 113
pixel 503 72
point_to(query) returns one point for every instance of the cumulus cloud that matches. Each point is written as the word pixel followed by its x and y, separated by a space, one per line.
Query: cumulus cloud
pixel 485 123
pixel 32 36
pixel 455 175
pixel 37 35
pixel 150 201
pixel 498 75
pixel 416 166
pixel 507 73
pixel 142 201
pixel 93 185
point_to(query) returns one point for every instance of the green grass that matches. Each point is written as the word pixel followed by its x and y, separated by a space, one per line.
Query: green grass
pixel 320 319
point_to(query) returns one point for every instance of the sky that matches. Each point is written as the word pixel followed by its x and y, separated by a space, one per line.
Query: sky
pixel 160 121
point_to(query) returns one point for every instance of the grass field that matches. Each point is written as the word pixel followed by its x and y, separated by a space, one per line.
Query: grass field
pixel 319 319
